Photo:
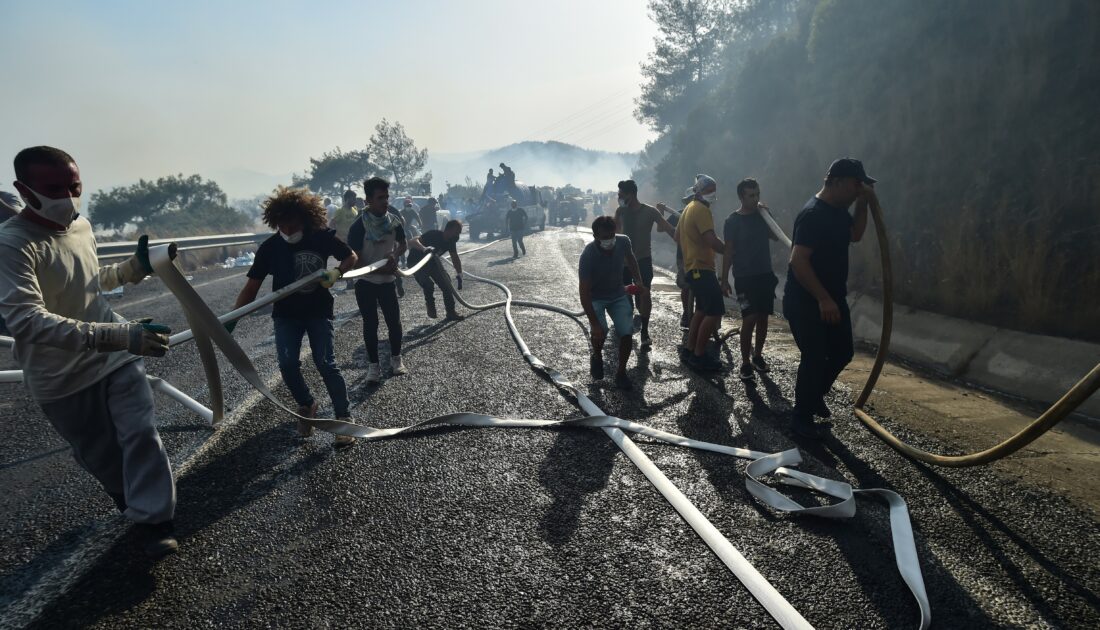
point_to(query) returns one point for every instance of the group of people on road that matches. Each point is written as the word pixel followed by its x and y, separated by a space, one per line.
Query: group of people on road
pixel 617 265
pixel 83 364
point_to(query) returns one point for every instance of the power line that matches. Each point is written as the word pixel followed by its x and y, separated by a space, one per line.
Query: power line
pixel 584 111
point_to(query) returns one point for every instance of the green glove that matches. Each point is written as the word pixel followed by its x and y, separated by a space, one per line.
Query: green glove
pixel 329 277
pixel 142 253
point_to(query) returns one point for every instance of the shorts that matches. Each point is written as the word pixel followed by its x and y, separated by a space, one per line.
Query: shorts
pixel 645 266
pixel 756 294
pixel 708 295
pixel 621 312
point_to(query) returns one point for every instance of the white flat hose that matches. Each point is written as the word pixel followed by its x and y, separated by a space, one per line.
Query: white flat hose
pixel 206 324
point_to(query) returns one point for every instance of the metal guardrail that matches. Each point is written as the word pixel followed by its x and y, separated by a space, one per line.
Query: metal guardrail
pixel 125 249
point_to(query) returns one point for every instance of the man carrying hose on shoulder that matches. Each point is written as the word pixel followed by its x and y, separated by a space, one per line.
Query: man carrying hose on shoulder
pixel 814 300
pixel 301 246
pixel 81 363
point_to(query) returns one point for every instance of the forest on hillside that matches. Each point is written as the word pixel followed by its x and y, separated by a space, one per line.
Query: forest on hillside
pixel 979 118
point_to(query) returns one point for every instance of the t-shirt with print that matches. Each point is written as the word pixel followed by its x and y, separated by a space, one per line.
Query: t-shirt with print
pixel 751 241
pixel 695 221
pixel 436 240
pixel 604 269
pixel 827 230
pixel 287 263
pixel 638 227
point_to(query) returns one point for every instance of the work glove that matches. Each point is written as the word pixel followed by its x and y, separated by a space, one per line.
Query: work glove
pixel 458 281
pixel 329 277
pixel 137 266
pixel 141 337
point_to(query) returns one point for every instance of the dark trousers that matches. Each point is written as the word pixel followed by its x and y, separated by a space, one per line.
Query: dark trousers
pixel 825 348
pixel 517 243
pixel 432 274
pixel 371 297
pixel 288 346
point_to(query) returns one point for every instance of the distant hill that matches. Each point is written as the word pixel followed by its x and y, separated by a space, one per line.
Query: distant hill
pixel 537 163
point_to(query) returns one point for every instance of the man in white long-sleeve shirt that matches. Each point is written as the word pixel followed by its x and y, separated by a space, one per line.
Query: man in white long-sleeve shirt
pixel 81 362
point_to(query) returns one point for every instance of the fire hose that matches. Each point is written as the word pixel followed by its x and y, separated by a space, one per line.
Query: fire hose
pixel 208 328
pixel 1058 411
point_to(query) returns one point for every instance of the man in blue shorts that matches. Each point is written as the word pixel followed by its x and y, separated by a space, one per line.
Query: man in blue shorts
pixel 602 293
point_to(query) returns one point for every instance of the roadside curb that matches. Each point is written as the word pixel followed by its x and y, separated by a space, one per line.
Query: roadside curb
pixel 1035 367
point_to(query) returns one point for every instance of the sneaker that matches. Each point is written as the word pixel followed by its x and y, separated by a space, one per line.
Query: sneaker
pixel 805 428
pixel 746 372
pixel 305 429
pixel 822 410
pixel 374 374
pixel 341 441
pixel 157 539
pixel 705 363
pixel 454 317
pixel 595 365
pixel 622 381
pixel 759 364
pixel 398 366
pixel 646 341
pixel 432 314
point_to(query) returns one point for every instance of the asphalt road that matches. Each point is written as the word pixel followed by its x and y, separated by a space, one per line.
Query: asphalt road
pixel 513 527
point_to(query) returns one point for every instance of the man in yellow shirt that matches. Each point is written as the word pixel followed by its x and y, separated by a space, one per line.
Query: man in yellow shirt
pixel 695 233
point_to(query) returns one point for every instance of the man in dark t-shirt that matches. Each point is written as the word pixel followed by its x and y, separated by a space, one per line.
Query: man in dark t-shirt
pixel 301 247
pixel 517 226
pixel 602 294
pixel 817 284
pixel 433 274
pixel 748 255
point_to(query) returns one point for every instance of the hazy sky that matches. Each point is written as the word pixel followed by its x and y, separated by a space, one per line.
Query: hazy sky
pixel 148 88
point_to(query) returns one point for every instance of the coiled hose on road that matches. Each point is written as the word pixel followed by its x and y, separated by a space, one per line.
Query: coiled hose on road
pixel 1064 406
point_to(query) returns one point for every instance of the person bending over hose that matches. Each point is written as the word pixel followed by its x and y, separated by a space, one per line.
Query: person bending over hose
pixel 695 234
pixel 432 273
pixel 602 293
pixel 814 300
pixel 301 246
pixel 81 362
pixel 748 254
pixel 376 236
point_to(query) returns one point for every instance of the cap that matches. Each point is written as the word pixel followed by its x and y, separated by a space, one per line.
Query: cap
pixel 848 167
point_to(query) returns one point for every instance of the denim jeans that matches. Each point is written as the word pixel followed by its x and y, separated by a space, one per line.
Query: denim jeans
pixel 288 345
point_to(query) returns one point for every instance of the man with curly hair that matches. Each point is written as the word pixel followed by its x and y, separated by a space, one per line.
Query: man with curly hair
pixel 301 246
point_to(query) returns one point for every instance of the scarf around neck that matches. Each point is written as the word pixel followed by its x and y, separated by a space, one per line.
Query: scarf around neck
pixel 377 228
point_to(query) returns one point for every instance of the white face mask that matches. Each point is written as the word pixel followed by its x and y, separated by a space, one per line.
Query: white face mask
pixel 711 198
pixel 607 243
pixel 292 238
pixel 60 211
pixel 622 202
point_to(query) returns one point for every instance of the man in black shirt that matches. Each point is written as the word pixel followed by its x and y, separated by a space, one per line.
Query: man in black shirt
pixel 748 255
pixel 301 246
pixel 517 225
pixel 432 273
pixel 814 297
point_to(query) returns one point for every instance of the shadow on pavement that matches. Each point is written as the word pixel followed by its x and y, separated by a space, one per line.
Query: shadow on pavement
pixel 123 577
pixel 579 463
